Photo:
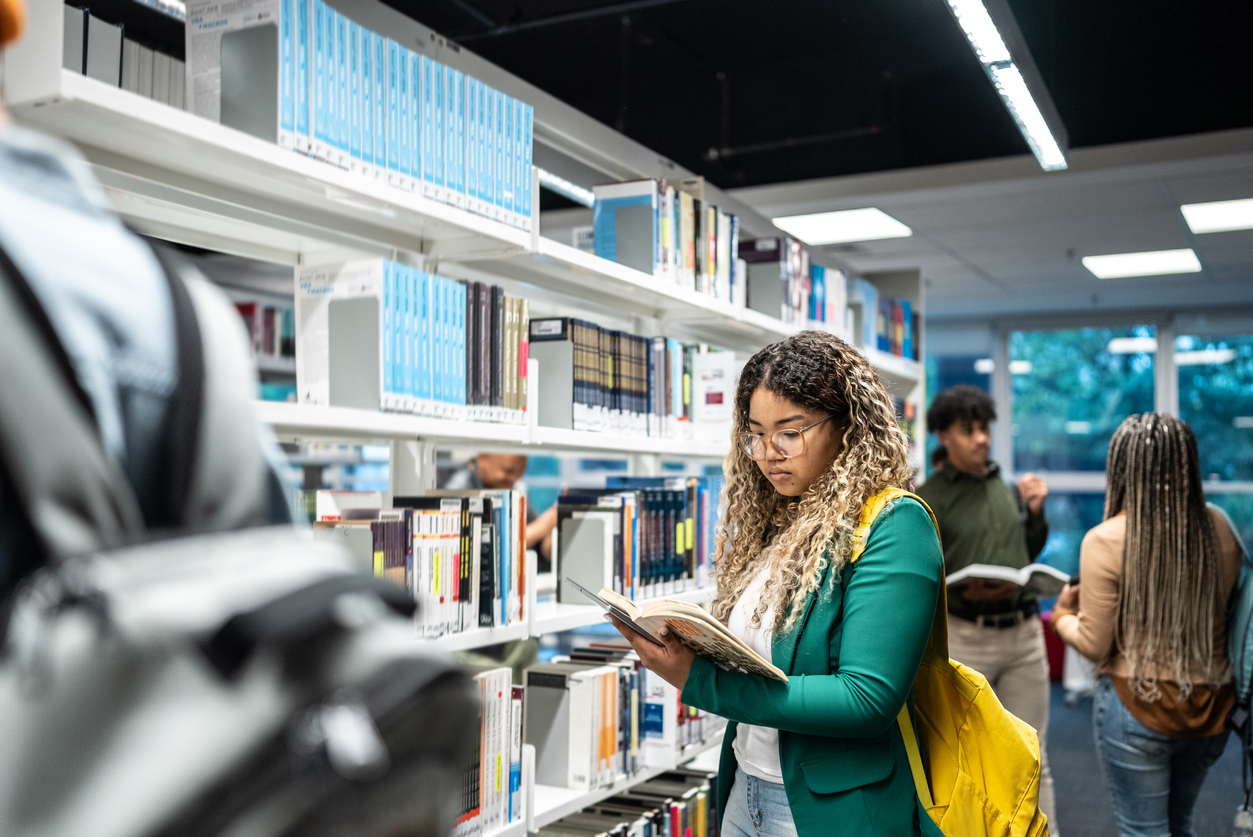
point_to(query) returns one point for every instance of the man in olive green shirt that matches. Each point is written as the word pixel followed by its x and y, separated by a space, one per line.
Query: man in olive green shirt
pixel 994 627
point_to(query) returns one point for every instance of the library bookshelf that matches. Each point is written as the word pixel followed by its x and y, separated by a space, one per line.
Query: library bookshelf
pixel 184 179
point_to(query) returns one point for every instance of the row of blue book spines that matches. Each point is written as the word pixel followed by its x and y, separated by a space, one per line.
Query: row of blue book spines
pixel 360 76
pixel 424 335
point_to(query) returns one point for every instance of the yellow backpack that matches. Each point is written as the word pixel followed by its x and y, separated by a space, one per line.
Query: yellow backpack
pixel 978 770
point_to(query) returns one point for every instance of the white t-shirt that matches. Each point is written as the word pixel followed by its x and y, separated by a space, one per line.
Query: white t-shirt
pixel 756 748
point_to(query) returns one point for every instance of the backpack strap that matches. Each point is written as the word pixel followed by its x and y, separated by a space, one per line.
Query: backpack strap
pixel 937 643
pixel 74 494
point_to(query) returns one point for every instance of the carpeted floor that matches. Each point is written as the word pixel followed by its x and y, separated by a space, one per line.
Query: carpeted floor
pixel 1083 805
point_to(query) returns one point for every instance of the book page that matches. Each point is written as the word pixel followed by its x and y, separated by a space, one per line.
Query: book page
pixel 723 649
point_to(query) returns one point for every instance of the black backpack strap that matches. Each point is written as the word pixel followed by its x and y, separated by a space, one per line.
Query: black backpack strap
pixel 187 407
pixel 75 496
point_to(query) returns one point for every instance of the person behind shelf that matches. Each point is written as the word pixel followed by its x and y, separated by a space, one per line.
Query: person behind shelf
pixel 105 305
pixel 993 627
pixel 503 471
pixel 1151 612
pixel 815 437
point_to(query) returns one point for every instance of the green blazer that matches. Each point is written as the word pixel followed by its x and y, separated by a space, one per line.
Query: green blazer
pixel 851 662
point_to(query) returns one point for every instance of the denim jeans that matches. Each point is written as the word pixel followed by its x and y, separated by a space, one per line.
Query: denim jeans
pixel 757 808
pixel 1153 778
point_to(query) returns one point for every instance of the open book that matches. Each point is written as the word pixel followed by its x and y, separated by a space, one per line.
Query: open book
pixel 692 626
pixel 1040 579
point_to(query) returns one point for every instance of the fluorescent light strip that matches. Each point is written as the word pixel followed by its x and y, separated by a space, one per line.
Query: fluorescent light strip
pixel 985 39
pixel 1219 216
pixel 1205 357
pixel 1013 89
pixel 842 226
pixel 1132 346
pixel 565 188
pixel 982 33
pixel 1152 263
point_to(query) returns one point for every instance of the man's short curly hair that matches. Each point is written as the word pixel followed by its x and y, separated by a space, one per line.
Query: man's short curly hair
pixel 960 403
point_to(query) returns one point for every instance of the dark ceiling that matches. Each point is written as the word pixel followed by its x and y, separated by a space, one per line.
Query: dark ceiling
pixel 747 92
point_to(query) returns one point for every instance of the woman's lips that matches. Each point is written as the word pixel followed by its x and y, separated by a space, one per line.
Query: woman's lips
pixel 778 475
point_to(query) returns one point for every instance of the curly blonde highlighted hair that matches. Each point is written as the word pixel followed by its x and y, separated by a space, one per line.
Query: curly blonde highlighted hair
pixel 818 371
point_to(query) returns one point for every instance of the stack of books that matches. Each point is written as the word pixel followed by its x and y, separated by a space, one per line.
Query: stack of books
pixel 378 334
pixel 491 793
pixel 600 380
pixel 678 802
pixel 460 554
pixel 667 229
pixel 641 537
pixel 304 75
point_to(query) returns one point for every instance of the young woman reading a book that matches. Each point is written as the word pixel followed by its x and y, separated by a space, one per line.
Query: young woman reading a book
pixel 1151 612
pixel 815 437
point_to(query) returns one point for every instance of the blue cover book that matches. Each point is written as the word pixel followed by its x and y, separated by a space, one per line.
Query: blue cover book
pixel 428 122
pixel 424 336
pixel 415 115
pixel 318 49
pixel 472 157
pixel 436 333
pixel 506 154
pixel 393 124
pixel 389 323
pixel 519 131
pixel 301 92
pixel 367 97
pixel 907 328
pixel 405 158
pixel 486 159
pixel 438 120
pixel 528 181
pixel 286 76
pixel 326 112
pixel 342 118
pixel 459 108
pixel 354 89
pixel 498 149
pixel 379 119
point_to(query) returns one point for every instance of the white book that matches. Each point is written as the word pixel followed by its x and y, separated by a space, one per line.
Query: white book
pixel 207 22
pixel 73 38
pixel 339 334
pixel 178 84
pixel 161 78
pixel 130 65
pixel 147 61
pixel 104 51
pixel 1040 579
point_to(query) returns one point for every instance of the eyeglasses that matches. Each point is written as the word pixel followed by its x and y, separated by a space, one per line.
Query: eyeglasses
pixel 788 443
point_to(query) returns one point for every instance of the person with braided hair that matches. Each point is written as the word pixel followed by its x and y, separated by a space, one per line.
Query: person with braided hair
pixel 815 436
pixel 1151 612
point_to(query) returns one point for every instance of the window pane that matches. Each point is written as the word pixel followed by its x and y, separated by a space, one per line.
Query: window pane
pixel 1216 398
pixel 1070 517
pixel 1072 388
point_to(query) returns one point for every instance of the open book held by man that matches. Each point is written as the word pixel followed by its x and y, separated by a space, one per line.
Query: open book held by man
pixel 693 626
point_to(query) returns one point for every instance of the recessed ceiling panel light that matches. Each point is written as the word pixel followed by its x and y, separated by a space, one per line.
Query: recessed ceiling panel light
pixel 1219 216
pixel 1152 263
pixel 845 225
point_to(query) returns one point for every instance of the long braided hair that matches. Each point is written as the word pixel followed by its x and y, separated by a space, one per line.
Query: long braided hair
pixel 818 371
pixel 1167 601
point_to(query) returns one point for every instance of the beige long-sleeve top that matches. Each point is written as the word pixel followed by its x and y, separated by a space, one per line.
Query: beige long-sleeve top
pixel 1091 630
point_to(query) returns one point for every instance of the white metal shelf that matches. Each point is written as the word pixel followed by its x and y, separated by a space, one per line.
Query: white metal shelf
pixel 552 617
pixel 568 270
pixel 303 421
pixel 553 803
pixel 180 166
pixel 480 637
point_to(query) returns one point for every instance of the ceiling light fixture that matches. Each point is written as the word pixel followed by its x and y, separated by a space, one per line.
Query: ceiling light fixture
pixel 1219 216
pixel 842 226
pixel 565 188
pixel 1152 263
pixel 1205 357
pixel 1014 81
pixel 1132 346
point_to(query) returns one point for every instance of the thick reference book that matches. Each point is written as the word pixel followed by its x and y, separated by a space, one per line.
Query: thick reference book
pixel 692 626
pixel 1040 579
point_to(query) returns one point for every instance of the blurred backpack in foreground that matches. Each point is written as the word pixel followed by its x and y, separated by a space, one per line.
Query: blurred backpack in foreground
pixel 170 664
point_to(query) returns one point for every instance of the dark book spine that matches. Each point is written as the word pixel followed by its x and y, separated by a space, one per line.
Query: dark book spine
pixel 498 344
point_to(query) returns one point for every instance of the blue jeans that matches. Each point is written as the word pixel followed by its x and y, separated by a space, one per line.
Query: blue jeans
pixel 757 808
pixel 1154 779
